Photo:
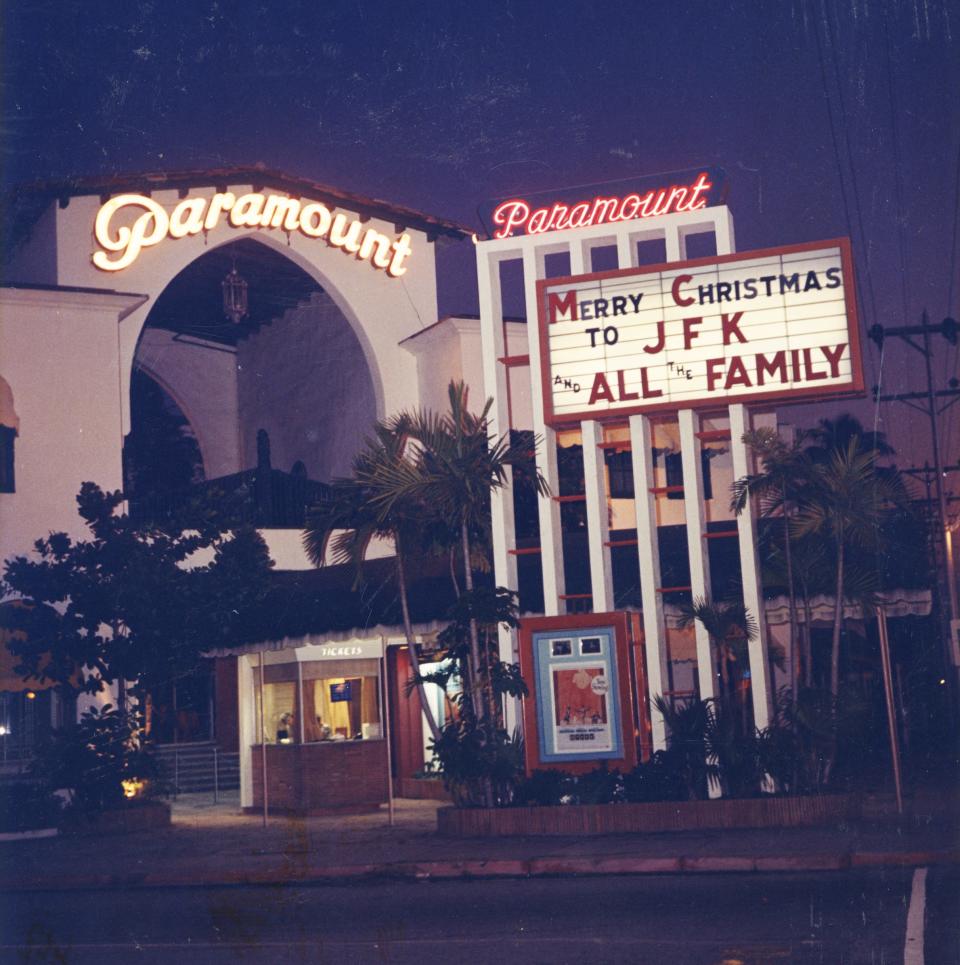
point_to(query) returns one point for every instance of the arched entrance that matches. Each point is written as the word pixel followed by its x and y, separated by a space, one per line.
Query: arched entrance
pixel 292 368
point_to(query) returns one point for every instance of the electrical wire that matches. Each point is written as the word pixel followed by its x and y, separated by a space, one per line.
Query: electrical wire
pixel 836 146
pixel 898 174
pixel 858 208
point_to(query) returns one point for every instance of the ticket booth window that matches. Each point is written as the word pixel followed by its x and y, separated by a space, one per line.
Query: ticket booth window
pixel 312 701
pixel 340 708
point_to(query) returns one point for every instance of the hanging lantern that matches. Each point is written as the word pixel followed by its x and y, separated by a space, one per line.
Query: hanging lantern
pixel 235 305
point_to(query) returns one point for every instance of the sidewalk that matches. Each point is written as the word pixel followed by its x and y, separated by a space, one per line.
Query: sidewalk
pixel 218 845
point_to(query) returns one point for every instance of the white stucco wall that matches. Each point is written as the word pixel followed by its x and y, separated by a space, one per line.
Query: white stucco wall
pixel 201 377
pixel 382 310
pixel 67 357
pixel 59 355
pixel 304 378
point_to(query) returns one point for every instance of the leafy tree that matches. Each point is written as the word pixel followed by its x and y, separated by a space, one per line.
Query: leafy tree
pixel 93 757
pixel 131 608
pixel 811 573
pixel 832 435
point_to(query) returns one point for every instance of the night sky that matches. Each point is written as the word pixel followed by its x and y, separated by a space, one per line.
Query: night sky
pixel 829 119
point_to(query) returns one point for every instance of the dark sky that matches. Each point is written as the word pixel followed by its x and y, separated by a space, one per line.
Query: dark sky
pixel 830 118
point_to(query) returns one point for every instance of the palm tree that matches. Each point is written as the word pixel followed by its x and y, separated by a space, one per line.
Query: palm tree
pixel 359 511
pixel 848 502
pixel 811 574
pixel 833 434
pixel 730 626
pixel 453 469
pixel 779 486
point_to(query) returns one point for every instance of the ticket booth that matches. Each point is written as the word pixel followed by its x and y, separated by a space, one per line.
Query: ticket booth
pixel 314 728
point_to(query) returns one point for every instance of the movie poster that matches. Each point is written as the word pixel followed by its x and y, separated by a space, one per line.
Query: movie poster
pixel 581 715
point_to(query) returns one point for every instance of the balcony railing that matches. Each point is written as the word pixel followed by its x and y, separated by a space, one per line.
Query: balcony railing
pixel 263 497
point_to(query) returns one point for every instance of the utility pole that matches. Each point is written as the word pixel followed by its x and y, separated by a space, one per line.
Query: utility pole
pixel 949 605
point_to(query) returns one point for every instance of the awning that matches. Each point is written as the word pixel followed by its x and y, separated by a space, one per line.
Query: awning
pixel 897 603
pixel 423 632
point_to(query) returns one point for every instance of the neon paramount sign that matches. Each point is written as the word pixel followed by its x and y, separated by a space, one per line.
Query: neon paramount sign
pixel 519 216
pixel 147 223
pixel 778 324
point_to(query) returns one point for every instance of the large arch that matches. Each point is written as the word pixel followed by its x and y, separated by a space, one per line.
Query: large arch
pixel 132 327
pixel 295 367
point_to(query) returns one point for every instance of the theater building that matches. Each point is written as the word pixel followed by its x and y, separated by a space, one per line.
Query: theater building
pixel 116 327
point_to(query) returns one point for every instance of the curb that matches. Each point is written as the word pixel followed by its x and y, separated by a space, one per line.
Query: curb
pixel 471 869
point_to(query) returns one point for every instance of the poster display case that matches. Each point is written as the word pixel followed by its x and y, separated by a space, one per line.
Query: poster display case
pixel 579 711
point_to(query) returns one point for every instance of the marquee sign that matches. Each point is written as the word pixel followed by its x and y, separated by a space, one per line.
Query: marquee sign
pixel 774 324
pixel 128 223
pixel 587 205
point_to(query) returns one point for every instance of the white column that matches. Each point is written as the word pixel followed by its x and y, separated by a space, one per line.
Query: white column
pixel 598 518
pixel 750 570
pixel 579 258
pixel 247 728
pixel 626 251
pixel 723 228
pixel 648 550
pixel 495 375
pixel 551 540
pixel 695 513
pixel 676 247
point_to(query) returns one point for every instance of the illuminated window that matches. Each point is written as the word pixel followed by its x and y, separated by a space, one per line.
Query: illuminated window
pixel 620 468
pixel 339 708
pixel 337 700
pixel 674 466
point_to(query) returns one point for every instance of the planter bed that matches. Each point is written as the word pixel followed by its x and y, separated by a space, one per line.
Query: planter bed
pixel 579 819
pixel 421 788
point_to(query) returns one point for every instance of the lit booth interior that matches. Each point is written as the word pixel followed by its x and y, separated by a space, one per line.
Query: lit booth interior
pixel 312 722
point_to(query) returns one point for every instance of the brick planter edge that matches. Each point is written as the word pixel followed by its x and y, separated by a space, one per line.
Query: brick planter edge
pixel 581 819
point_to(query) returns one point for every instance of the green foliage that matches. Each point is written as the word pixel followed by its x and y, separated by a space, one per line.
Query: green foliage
pixel 661 778
pixel 797 750
pixel 479 762
pixel 90 759
pixel 476 763
pixel 544 788
pixel 687 723
pixel 424 481
pixel 124 604
pixel 599 786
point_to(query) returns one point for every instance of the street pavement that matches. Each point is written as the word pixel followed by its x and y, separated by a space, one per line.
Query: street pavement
pixel 862 917
pixel 216 844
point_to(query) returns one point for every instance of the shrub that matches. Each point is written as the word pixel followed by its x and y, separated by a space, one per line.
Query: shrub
pixel 599 786
pixel 548 787
pixel 659 779
pixel 92 758
pixel 473 763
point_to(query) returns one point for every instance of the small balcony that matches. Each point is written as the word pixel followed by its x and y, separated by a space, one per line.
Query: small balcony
pixel 263 497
